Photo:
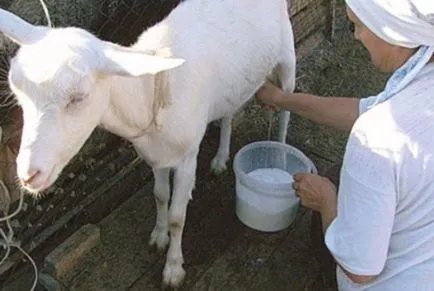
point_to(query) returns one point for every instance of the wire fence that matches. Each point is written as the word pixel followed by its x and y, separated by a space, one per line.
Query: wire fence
pixel 104 158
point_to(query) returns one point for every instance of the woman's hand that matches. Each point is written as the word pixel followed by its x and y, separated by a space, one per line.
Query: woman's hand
pixel 268 95
pixel 315 192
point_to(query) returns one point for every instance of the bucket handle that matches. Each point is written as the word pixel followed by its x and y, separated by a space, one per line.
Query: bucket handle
pixel 312 167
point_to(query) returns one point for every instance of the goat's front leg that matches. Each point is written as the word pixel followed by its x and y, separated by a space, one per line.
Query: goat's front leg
pixel 218 164
pixel 160 234
pixel 185 176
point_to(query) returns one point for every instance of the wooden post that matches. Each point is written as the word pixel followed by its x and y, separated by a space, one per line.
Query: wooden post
pixel 330 19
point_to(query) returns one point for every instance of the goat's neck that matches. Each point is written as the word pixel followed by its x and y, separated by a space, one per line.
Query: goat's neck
pixel 129 112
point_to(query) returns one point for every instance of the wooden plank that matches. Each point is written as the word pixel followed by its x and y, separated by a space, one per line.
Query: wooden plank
pixel 123 254
pixel 71 252
pixel 306 46
pixel 41 213
pixel 292 266
pixel 99 207
pixel 73 193
pixel 242 261
pixel 296 6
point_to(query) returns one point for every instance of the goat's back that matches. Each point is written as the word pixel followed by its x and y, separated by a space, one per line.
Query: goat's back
pixel 230 46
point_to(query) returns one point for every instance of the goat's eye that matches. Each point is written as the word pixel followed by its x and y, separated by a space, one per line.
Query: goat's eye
pixel 75 99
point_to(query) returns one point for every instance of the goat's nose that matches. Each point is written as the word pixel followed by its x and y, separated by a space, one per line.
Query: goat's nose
pixel 30 176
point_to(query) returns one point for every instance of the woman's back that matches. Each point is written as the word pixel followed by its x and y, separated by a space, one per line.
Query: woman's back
pixel 390 157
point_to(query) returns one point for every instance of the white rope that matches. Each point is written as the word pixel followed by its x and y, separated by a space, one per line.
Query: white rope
pixel 47 14
pixel 7 241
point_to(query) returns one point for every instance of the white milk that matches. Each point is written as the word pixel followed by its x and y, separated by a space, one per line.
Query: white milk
pixel 263 211
pixel 272 175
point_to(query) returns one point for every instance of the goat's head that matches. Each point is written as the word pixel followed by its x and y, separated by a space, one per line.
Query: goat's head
pixel 57 76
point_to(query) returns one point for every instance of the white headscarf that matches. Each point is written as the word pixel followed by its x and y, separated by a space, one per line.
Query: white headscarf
pixel 405 23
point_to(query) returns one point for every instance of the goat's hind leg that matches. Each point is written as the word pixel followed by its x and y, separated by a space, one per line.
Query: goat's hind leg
pixel 286 70
pixel 160 234
pixel 218 164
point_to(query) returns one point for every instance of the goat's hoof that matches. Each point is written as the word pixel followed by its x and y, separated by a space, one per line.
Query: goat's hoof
pixel 173 276
pixel 159 241
pixel 165 287
pixel 218 167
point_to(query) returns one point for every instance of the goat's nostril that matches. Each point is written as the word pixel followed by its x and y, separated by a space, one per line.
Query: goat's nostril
pixel 30 177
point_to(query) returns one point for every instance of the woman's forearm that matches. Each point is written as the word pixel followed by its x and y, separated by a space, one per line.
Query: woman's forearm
pixel 337 112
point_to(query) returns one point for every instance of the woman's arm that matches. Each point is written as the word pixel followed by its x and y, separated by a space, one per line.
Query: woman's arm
pixel 328 214
pixel 337 112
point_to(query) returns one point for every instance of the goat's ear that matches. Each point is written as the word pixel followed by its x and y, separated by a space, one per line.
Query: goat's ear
pixel 19 30
pixel 124 61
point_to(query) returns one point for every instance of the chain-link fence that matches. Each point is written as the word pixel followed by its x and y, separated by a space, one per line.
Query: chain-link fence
pixel 90 186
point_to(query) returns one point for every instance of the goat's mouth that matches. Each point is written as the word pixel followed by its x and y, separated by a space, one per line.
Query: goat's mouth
pixel 40 182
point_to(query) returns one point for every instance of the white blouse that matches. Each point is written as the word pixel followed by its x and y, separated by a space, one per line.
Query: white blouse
pixel 385 221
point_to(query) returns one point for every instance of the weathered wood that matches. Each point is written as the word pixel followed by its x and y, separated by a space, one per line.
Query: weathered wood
pixel 60 223
pixel 308 20
pixel 295 6
pixel 71 193
pixel 72 251
pixel 241 262
pixel 331 20
pixel 292 265
pixel 123 254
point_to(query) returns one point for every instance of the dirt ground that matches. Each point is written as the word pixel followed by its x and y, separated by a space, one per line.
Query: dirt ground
pixel 337 68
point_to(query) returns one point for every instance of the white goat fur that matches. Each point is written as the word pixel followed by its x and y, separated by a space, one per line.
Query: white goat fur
pixel 199 64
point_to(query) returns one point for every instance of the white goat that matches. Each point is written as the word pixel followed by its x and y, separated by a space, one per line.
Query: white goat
pixel 199 64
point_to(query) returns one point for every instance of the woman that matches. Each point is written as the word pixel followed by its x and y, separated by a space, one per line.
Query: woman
pixel 380 228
